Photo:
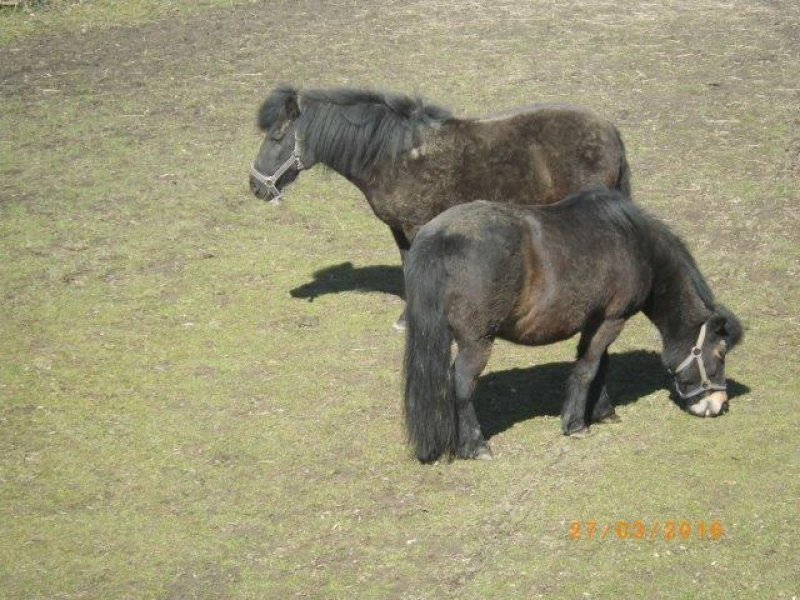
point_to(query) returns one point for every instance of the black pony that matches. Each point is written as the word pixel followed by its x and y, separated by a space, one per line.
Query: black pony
pixel 413 160
pixel 537 275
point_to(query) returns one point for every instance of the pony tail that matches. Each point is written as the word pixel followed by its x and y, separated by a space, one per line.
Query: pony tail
pixel 429 400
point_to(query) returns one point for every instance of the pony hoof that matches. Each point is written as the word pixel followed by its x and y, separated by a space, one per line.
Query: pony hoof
pixel 580 433
pixel 484 453
pixel 612 418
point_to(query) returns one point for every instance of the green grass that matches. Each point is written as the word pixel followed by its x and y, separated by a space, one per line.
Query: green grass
pixel 174 424
pixel 37 17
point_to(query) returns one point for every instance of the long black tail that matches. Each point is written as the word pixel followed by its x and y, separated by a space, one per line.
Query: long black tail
pixel 430 413
pixel 624 178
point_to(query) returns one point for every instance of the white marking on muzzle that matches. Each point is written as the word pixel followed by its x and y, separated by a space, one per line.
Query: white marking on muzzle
pixel 709 406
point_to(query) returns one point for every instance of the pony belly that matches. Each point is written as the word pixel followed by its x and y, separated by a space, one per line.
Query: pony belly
pixel 538 329
pixel 541 316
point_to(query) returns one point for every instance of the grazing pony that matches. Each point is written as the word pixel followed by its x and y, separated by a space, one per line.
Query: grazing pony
pixel 538 275
pixel 413 160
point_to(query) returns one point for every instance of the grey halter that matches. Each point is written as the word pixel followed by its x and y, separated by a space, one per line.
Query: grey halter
pixel 696 355
pixel 271 181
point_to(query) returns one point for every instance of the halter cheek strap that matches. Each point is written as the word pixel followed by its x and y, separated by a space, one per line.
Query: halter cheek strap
pixel 696 355
pixel 270 182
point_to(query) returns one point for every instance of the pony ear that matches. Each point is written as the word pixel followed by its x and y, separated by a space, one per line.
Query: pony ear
pixel 725 324
pixel 280 105
pixel 292 107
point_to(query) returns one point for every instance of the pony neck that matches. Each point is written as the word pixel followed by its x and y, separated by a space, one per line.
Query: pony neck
pixel 363 135
pixel 679 301
pixel 321 153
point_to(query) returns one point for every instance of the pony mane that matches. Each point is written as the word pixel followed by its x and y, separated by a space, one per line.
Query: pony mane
pixel 677 253
pixel 614 207
pixel 353 131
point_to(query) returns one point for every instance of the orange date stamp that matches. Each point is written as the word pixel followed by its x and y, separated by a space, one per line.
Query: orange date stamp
pixel 640 530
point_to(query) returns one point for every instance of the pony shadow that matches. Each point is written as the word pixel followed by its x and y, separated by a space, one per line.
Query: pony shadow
pixel 505 398
pixel 345 278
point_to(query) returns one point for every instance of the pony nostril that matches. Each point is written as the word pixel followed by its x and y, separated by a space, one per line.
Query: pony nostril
pixel 256 188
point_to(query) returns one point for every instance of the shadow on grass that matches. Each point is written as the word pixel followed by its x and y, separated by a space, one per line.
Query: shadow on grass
pixel 505 398
pixel 344 278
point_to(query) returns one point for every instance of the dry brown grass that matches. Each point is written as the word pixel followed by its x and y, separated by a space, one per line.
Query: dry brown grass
pixel 174 424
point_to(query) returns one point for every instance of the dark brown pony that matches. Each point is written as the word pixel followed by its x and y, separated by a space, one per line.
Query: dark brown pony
pixel 413 160
pixel 537 275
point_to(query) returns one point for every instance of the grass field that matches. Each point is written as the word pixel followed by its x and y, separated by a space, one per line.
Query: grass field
pixel 200 393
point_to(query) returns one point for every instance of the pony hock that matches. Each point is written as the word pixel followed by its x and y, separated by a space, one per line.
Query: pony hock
pixel 538 275
pixel 414 160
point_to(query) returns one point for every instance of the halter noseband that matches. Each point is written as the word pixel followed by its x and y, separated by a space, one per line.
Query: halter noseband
pixel 696 355
pixel 271 181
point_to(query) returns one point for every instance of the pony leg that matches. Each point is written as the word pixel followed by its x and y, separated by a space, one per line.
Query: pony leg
pixel 598 403
pixel 469 363
pixel 402 245
pixel 591 348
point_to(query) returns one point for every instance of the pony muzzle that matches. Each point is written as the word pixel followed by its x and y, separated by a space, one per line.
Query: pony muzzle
pixel 710 405
pixel 264 187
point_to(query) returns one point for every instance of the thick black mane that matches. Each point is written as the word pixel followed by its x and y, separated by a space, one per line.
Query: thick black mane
pixel 352 131
pixel 677 255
